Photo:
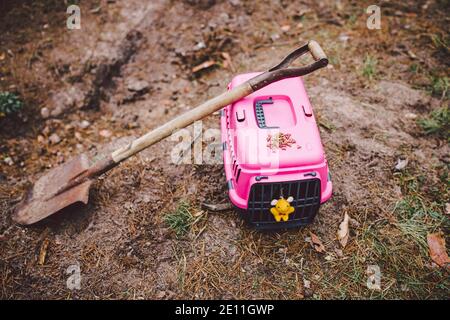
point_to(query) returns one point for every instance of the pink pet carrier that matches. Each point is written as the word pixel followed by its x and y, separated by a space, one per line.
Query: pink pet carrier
pixel 275 166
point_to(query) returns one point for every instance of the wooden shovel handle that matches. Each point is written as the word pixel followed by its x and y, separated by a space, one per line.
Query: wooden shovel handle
pixel 280 71
pixel 182 121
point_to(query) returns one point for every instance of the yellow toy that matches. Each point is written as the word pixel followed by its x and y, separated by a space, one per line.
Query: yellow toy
pixel 282 208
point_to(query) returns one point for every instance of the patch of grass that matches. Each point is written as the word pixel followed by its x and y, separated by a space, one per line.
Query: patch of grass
pixel 414 68
pixel 370 67
pixel 399 250
pixel 352 19
pixel 9 103
pixel 440 42
pixel 439 86
pixel 327 125
pixel 416 227
pixel 398 244
pixel 180 219
pixel 334 60
pixel 438 123
pixel 420 212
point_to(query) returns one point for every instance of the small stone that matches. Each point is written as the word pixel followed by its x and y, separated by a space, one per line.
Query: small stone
pixel 200 45
pixel 105 133
pixel 78 136
pixel 274 37
pixel 344 37
pixel 401 164
pixel 8 161
pixel 65 100
pixel 146 198
pixel 135 85
pixel 285 28
pixel 84 124
pixel 306 284
pixel 40 139
pixel 411 116
pixel 54 138
pixel 133 125
pixel 46 131
pixel 45 113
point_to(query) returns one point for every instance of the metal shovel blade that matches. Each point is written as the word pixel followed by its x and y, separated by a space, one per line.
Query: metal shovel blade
pixel 44 200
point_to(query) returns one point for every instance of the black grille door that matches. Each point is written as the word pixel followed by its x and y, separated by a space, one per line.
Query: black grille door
pixel 306 194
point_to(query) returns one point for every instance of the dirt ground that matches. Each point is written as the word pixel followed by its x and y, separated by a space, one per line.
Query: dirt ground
pixel 129 69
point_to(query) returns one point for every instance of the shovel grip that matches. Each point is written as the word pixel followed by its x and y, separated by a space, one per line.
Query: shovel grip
pixel 316 51
pixel 282 70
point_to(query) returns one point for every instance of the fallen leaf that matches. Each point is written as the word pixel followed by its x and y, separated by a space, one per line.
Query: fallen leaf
pixel 204 65
pixel 54 139
pixel 96 10
pixel 105 133
pixel 316 243
pixel 216 207
pixel 438 252
pixel 410 115
pixel 43 251
pixel 343 232
pixel 227 63
pixel 447 209
pixel 198 213
pixel 411 54
pixel 401 164
pixel 374 277
pixel 306 284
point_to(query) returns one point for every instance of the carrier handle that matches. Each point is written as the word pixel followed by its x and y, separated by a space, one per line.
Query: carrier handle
pixel 282 70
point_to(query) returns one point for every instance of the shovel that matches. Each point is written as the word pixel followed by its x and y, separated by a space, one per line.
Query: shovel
pixel 70 183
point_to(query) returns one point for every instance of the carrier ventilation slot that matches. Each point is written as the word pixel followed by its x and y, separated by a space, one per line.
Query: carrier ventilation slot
pixel 259 112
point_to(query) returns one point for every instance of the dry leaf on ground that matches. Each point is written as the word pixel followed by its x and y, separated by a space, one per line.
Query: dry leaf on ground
pixel 227 63
pixel 401 164
pixel 204 65
pixel 438 252
pixel 316 243
pixel 43 251
pixel 343 232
